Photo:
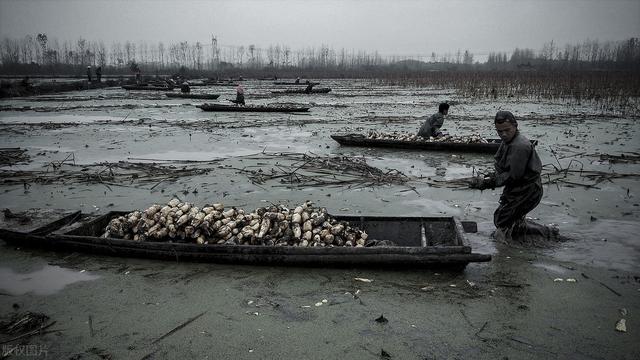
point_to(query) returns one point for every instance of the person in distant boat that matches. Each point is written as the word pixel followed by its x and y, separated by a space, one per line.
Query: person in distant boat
pixel 309 87
pixel 184 88
pixel 26 83
pixel 240 95
pixel 431 127
pixel 517 168
pixel 99 73
pixel 298 80
pixel 89 73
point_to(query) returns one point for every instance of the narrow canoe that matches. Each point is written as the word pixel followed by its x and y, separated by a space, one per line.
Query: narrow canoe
pixel 302 91
pixel 146 87
pixel 235 108
pixel 221 84
pixel 419 242
pixel 360 140
pixel 293 83
pixel 193 96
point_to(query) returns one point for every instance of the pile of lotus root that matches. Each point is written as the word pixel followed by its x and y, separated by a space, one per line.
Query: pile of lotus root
pixel 277 225
pixel 465 139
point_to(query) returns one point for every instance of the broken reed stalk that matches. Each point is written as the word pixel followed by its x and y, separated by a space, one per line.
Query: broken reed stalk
pixel 189 321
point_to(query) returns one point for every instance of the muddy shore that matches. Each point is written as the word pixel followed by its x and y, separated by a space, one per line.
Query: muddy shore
pixel 513 306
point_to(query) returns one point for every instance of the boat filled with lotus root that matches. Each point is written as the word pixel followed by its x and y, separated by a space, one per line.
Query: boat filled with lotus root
pixel 454 143
pixel 305 235
pixel 252 108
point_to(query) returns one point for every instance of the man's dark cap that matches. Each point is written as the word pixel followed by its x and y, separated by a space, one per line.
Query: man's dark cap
pixel 502 116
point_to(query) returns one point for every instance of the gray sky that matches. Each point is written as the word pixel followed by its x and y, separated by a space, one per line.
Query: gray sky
pixel 393 27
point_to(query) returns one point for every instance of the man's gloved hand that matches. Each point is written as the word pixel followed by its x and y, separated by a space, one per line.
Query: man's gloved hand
pixel 476 182
pixel 481 183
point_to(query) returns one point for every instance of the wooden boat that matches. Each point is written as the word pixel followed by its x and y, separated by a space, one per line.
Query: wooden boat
pixel 193 96
pixel 221 107
pixel 146 87
pixel 293 83
pixel 221 83
pixel 203 82
pixel 302 91
pixel 360 140
pixel 419 242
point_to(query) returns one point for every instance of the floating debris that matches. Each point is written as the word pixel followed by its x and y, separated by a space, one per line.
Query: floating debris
pixel 301 170
pixel 622 158
pixel 22 217
pixel 382 319
pixel 363 280
pixel 621 325
pixel 13 156
pixel 23 322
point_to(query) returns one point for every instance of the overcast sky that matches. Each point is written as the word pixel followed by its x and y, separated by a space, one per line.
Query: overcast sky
pixel 393 27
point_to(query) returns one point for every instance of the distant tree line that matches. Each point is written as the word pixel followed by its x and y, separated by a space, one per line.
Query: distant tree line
pixel 40 55
pixel 589 55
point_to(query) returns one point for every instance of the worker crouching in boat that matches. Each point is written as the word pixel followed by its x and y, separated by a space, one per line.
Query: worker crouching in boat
pixel 431 127
pixel 517 168
pixel 309 88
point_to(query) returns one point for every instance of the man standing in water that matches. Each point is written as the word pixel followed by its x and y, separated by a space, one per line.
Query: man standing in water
pixel 89 72
pixel 239 95
pixel 517 168
pixel 431 127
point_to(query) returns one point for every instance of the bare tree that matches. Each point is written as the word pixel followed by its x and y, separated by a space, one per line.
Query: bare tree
pixel 240 54
pixel 198 55
pixel 26 49
pixel 467 58
pixel 102 54
pixel 129 51
pixel 161 53
pixel 42 40
pixel 287 54
pixel 183 48
pixel 81 45
pixel 252 50
pixel 11 51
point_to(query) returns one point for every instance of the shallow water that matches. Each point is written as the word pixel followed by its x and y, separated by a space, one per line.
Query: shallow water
pixel 46 280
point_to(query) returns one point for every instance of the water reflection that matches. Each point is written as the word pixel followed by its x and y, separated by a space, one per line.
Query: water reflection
pixel 46 281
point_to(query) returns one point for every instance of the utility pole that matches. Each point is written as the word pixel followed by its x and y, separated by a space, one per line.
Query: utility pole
pixel 214 52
